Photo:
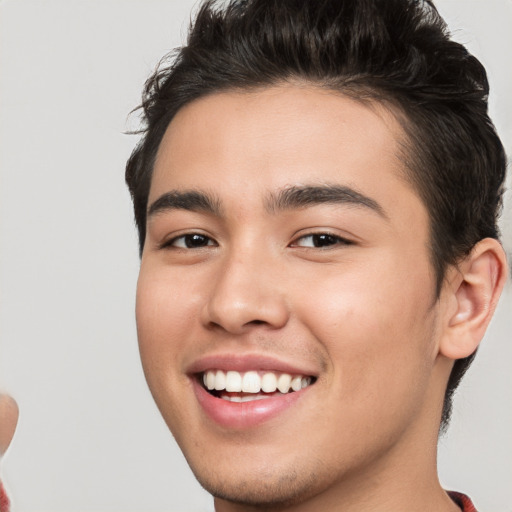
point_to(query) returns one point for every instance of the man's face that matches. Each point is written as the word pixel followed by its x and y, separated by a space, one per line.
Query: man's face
pixel 283 240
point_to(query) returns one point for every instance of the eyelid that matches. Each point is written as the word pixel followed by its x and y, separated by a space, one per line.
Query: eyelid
pixel 341 240
pixel 170 241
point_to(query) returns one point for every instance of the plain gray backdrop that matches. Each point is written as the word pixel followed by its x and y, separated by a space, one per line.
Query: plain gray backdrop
pixel 90 438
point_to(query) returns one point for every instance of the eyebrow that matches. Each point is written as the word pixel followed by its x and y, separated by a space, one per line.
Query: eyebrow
pixel 301 197
pixel 191 200
pixel 295 197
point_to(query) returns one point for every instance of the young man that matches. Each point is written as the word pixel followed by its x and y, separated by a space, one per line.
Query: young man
pixel 316 193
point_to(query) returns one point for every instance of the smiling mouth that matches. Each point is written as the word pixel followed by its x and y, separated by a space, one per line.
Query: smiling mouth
pixel 252 385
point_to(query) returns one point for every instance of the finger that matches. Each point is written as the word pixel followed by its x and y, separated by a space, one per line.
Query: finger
pixel 8 420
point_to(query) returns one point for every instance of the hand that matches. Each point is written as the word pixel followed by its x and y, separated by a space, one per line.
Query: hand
pixel 8 421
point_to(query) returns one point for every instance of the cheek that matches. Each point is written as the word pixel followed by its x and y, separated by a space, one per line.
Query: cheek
pixel 166 303
pixel 377 328
pixel 165 313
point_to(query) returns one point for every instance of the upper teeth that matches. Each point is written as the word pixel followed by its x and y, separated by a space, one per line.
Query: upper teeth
pixel 253 381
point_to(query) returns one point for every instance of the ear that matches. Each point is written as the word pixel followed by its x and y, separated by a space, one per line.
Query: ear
pixel 473 291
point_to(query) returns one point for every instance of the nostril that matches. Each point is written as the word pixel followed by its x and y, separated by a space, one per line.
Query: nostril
pixel 256 322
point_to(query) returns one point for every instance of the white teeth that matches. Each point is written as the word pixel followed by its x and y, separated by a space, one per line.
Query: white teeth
pixel 233 381
pixel 250 398
pixel 220 380
pixel 210 380
pixel 269 382
pixel 253 382
pixel 283 382
pixel 297 383
pixel 247 398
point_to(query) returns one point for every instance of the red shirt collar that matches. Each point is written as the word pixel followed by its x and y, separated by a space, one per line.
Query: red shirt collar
pixel 462 501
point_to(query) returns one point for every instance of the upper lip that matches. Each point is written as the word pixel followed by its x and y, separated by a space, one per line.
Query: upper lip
pixel 247 362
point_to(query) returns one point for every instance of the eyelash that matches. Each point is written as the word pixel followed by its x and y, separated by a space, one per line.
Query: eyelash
pixel 333 240
pixel 205 241
pixel 188 237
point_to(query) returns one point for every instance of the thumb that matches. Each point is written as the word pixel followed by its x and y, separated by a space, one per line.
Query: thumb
pixel 8 421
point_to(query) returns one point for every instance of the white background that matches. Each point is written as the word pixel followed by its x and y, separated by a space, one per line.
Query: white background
pixel 90 438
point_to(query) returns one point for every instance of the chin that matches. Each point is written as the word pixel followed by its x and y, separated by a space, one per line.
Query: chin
pixel 266 491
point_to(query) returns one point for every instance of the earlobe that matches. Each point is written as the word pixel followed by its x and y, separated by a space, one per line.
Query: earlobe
pixel 474 294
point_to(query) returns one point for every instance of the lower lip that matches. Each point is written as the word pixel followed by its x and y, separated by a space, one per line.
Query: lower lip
pixel 243 415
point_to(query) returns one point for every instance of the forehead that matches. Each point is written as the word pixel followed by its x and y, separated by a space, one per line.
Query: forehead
pixel 273 138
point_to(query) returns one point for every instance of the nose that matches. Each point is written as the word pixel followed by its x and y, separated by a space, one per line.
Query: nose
pixel 246 292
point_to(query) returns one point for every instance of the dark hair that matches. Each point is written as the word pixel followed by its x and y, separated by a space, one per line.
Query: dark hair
pixel 395 52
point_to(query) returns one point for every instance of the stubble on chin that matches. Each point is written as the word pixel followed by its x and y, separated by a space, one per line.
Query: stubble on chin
pixel 263 492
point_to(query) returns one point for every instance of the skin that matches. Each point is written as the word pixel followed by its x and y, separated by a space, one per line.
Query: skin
pixel 8 420
pixel 360 312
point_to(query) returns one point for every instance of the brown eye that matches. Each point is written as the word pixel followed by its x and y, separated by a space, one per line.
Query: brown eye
pixel 191 241
pixel 321 240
